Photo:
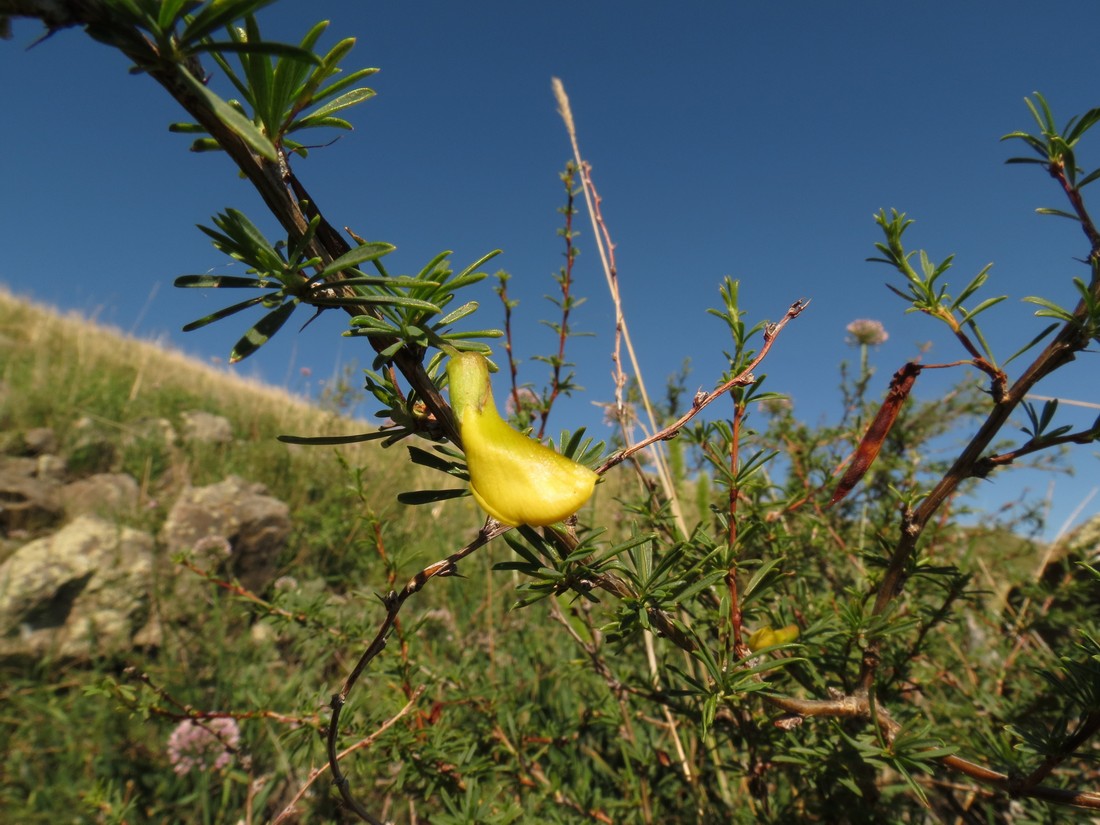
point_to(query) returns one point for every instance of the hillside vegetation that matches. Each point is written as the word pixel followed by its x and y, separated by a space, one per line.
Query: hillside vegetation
pixel 76 756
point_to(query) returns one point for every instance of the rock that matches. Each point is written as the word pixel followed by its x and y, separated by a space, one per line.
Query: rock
pixel 28 503
pixel 79 593
pixel 32 442
pixel 206 428
pixel 103 494
pixel 233 514
pixel 40 441
pixel 50 468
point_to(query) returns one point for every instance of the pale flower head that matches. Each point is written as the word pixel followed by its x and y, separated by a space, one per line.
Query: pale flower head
pixel 529 401
pixel 208 746
pixel 867 333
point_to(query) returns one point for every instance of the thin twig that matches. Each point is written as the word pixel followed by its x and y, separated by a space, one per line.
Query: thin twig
pixel 704 399
pixel 393 602
pixel 606 250
pixel 366 741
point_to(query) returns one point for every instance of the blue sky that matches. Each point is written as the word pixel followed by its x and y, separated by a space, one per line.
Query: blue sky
pixel 753 140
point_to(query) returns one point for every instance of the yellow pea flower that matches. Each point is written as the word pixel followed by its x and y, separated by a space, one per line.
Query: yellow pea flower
pixel 766 637
pixel 514 478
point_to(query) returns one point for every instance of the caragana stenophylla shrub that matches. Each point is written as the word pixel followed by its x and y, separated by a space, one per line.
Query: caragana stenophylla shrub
pixel 514 478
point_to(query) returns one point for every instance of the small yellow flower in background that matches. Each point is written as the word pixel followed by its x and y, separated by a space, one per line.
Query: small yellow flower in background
pixel 514 478
pixel 766 637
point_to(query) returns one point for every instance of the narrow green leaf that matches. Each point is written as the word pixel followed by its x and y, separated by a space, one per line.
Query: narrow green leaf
pixel 261 76
pixel 473 333
pixel 1058 212
pixel 339 85
pixel 216 15
pixel 331 440
pixel 291 74
pixel 400 300
pixel 343 102
pixel 1089 178
pixel 1046 331
pixel 395 281
pixel 361 253
pixel 261 332
pixel 968 315
pixel 319 123
pixel 429 496
pixel 974 285
pixel 205 144
pixel 224 282
pixel 170 11
pixel 433 461
pixel 458 314
pixel 262 47
pixel 186 128
pixel 759 577
pixel 244 128
pixel 224 313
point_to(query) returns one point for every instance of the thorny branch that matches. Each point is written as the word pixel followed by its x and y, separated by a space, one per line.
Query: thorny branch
pixel 704 399
pixel 281 191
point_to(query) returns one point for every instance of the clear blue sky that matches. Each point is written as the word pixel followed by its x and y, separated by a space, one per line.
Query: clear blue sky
pixel 753 140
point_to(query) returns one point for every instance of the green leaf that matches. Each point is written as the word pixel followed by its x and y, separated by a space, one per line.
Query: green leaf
pixel 224 313
pixel 1058 212
pixel 319 123
pixel 1046 331
pixel 261 331
pixel 244 128
pixel 262 47
pixel 431 460
pixel 394 281
pixel 339 85
pixel 967 315
pixel 763 574
pixel 429 496
pixel 1050 309
pixel 458 314
pixel 361 253
pixel 224 282
pixel 170 12
pixel 398 300
pixel 215 15
pixel 331 440
pixel 1089 178
pixel 261 76
pixel 343 102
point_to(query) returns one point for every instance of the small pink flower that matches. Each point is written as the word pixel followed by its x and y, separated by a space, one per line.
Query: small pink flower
pixel 206 746
pixel 867 333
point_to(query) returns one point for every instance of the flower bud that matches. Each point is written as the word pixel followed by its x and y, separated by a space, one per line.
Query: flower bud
pixel 514 478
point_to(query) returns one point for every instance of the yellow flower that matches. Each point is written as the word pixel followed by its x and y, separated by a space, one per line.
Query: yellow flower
pixel 514 478
pixel 766 637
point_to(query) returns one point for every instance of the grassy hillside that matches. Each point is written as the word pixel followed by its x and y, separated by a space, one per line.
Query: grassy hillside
pixel 479 713
pixel 73 376
pixel 78 745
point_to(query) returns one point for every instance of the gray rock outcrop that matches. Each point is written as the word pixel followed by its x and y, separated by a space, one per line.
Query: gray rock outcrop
pixel 81 592
pixel 251 524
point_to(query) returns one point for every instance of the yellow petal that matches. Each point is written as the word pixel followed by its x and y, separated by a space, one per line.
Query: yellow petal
pixel 766 637
pixel 514 478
